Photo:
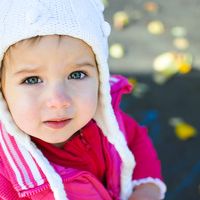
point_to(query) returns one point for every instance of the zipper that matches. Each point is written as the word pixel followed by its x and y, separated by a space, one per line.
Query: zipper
pixel 33 191
pixel 84 141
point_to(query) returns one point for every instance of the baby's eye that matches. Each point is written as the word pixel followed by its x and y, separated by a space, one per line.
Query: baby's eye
pixel 77 75
pixel 32 80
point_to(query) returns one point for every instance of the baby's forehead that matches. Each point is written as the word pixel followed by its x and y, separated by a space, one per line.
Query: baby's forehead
pixel 43 46
pixel 35 40
pixel 26 43
pixel 54 40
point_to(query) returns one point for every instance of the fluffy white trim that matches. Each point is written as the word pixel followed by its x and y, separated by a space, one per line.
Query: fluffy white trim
pixel 107 121
pixel 155 181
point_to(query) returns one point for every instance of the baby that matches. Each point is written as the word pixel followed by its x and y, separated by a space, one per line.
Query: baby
pixel 62 133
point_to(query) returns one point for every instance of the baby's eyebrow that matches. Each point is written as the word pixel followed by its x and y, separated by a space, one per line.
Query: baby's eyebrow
pixel 37 69
pixel 22 71
pixel 86 64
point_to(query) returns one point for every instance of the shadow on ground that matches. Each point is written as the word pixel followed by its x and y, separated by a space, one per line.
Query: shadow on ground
pixel 179 97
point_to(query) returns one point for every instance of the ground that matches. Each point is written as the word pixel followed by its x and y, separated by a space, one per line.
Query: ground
pixel 154 105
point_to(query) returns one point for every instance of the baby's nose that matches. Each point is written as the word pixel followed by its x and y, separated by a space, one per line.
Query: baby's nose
pixel 58 98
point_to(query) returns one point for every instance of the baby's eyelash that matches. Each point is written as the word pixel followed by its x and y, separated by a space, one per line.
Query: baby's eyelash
pixel 32 80
pixel 78 75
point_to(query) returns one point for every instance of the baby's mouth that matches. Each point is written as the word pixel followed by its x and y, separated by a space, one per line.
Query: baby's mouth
pixel 57 123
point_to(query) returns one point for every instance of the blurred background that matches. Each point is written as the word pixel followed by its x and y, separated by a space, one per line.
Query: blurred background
pixel 156 45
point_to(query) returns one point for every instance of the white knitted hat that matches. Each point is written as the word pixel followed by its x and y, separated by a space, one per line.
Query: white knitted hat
pixel 83 19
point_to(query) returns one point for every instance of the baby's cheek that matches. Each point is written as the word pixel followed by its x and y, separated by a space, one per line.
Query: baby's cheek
pixel 86 107
pixel 24 114
pixel 90 102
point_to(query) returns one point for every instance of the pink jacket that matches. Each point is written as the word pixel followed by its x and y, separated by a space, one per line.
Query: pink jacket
pixel 79 184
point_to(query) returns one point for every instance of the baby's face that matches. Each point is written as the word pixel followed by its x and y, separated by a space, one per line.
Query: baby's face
pixel 51 86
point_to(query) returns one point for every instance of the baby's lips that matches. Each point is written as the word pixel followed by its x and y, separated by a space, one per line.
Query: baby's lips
pixel 57 123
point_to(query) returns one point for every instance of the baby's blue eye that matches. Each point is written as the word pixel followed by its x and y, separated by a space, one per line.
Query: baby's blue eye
pixel 32 80
pixel 77 75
